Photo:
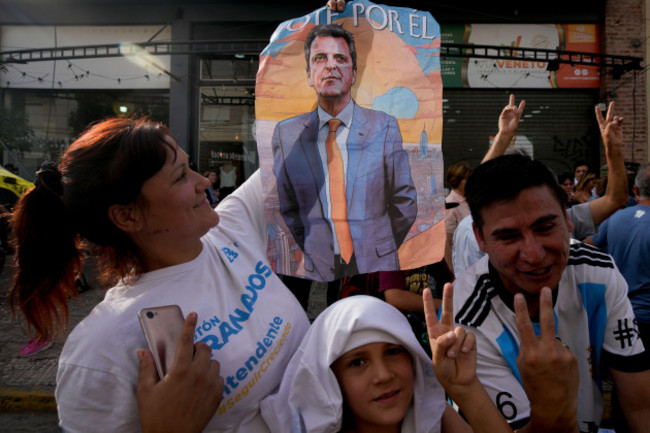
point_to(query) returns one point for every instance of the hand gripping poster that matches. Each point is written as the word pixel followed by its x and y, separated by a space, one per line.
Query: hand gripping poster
pixel 349 127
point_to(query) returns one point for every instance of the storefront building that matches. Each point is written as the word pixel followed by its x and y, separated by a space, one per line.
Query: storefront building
pixel 206 91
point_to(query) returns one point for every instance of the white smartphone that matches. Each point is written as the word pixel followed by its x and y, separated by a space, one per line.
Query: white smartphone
pixel 162 328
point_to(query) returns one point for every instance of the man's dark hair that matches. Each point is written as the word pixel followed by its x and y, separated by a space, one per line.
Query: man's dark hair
pixel 578 163
pixel 334 31
pixel 564 176
pixel 503 178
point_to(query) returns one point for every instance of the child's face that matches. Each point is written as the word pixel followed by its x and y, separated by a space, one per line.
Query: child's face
pixel 377 383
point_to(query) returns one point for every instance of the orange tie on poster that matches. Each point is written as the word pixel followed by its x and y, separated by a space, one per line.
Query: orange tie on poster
pixel 337 192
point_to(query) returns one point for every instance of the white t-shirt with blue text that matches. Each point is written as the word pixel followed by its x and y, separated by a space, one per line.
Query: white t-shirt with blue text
pixel 249 318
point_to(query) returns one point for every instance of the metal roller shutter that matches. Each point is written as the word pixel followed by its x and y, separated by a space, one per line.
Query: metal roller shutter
pixel 560 125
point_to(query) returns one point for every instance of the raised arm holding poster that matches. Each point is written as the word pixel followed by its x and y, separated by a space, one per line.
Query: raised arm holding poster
pixel 349 124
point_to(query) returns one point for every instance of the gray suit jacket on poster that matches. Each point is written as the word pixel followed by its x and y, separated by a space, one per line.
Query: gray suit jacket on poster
pixel 381 197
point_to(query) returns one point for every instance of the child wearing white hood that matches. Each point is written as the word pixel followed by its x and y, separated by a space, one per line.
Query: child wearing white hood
pixel 367 348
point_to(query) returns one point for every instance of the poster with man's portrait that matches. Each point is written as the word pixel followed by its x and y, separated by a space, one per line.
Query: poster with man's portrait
pixel 349 127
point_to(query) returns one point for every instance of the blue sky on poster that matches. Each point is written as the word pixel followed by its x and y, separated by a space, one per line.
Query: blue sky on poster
pixel 399 102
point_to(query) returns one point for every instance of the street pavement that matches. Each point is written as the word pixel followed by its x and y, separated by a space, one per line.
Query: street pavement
pixel 27 384
pixel 27 403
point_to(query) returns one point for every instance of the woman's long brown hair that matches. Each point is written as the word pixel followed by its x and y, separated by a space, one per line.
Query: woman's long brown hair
pixel 106 165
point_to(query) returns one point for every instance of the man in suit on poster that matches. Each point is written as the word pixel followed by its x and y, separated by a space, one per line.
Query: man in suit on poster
pixel 344 180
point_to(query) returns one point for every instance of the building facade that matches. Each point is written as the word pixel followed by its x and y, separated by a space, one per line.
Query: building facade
pixel 207 93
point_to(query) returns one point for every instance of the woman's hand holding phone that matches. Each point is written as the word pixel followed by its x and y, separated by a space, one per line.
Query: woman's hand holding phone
pixel 188 396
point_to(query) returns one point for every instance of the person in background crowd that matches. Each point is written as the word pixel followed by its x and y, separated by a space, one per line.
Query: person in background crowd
pixel 626 236
pixel 580 168
pixel 584 188
pixel 565 180
pixel 455 204
pixel 403 290
pixel 213 189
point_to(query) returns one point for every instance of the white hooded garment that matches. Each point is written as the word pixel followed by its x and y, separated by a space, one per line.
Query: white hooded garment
pixel 309 398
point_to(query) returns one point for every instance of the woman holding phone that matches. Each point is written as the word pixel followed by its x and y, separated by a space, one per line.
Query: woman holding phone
pixel 125 189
